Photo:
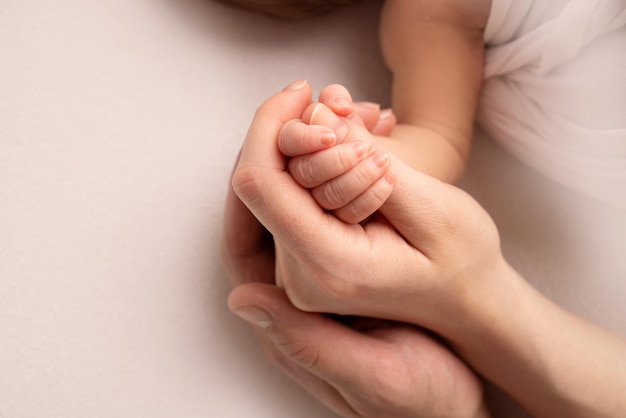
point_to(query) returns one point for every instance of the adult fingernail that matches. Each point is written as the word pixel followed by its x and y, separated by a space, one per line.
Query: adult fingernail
pixel 255 316
pixel 391 177
pixel 371 105
pixel 297 85
pixel 316 109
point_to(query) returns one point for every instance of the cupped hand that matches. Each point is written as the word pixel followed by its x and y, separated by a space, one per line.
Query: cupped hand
pixel 424 259
pixel 370 369
pixel 373 368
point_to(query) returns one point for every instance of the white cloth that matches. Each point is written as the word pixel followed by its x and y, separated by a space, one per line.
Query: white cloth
pixel 555 90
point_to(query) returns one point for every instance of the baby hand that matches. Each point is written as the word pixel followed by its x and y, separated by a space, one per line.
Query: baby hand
pixel 337 158
pixel 429 253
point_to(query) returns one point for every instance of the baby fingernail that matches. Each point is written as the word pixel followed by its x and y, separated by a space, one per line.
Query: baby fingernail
pixel 381 159
pixel 327 138
pixel 343 102
pixel 371 105
pixel 255 316
pixel 391 177
pixel 360 148
pixel 385 114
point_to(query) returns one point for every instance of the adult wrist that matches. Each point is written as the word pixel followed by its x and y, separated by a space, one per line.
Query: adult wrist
pixel 483 305
pixel 551 361
pixel 496 330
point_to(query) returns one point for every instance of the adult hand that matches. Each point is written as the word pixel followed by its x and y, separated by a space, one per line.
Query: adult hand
pixel 424 262
pixel 388 369
pixel 373 369
pixel 460 261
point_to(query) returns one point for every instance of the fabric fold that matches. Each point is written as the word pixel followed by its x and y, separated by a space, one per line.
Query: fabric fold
pixel 555 90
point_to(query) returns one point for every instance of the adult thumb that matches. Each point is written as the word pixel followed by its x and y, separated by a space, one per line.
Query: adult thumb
pixel 421 208
pixel 325 349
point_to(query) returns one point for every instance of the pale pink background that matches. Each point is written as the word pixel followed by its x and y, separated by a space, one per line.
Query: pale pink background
pixel 119 122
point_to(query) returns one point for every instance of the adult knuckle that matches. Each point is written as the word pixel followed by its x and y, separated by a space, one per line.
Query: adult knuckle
pixel 340 288
pixel 246 182
pixel 302 353
pixel 284 136
pixel 327 290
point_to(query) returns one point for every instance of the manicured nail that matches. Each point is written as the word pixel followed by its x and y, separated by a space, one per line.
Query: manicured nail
pixel 297 85
pixel 255 316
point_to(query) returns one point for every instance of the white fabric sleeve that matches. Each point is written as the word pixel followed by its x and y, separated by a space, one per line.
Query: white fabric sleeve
pixel 555 90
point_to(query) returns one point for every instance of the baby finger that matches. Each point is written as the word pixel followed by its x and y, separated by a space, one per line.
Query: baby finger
pixel 297 138
pixel 341 190
pixel 369 201
pixel 313 170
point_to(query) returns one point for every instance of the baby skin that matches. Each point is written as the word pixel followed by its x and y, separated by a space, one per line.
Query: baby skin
pixel 435 53
pixel 335 151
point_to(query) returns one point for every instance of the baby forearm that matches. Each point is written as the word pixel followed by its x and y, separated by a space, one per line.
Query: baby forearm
pixel 552 362
pixel 426 151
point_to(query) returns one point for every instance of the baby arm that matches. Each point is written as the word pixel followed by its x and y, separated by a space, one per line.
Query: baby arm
pixel 435 53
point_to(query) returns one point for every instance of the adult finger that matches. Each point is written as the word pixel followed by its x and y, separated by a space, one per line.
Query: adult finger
pixel 368 112
pixel 315 343
pixel 260 145
pixel 247 251
pixel 396 369
pixel 423 209
pixel 385 124
pixel 264 185
pixel 378 121
pixel 245 247
pixel 338 99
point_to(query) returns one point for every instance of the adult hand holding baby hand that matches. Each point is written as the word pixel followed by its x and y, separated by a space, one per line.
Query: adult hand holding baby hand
pixel 415 263
pixel 419 376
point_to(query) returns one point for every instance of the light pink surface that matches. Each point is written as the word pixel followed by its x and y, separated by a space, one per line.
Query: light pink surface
pixel 119 122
